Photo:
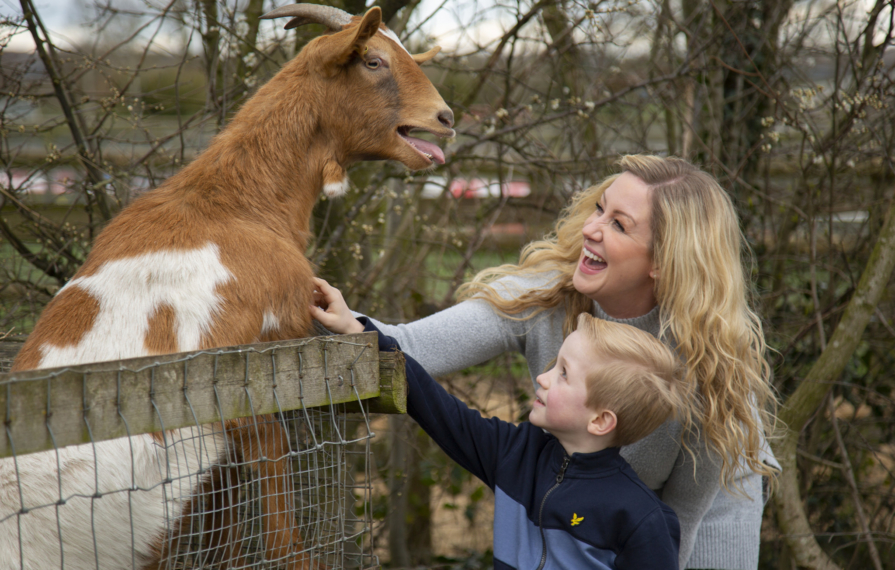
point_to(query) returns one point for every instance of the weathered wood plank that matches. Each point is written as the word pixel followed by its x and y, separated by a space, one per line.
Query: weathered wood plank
pixel 179 390
pixel 392 398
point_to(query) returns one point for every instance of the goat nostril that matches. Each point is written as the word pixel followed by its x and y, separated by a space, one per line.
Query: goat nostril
pixel 446 118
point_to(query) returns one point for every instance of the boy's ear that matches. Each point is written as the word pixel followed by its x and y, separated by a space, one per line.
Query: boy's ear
pixel 602 423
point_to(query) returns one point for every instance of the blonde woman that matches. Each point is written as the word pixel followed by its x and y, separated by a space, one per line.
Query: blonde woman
pixel 658 247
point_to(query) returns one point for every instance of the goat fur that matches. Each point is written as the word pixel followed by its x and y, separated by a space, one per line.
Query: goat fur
pixel 213 257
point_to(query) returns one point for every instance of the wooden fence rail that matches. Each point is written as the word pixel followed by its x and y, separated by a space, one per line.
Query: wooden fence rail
pixel 53 408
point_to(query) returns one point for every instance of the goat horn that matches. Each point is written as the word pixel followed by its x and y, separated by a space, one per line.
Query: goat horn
pixel 302 14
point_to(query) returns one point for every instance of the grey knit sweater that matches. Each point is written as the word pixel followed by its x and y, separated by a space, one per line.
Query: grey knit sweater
pixel 718 530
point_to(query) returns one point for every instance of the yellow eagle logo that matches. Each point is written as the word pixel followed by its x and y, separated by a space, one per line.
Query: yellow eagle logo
pixel 576 520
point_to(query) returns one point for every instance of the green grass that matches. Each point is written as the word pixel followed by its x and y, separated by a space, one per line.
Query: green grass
pixel 440 268
pixel 19 307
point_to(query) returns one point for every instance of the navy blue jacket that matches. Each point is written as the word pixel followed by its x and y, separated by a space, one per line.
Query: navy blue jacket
pixel 552 511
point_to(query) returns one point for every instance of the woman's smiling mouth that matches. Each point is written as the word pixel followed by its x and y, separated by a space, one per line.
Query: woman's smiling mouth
pixel 592 260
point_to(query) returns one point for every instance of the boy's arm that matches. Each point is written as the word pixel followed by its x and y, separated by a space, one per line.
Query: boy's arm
pixel 653 545
pixel 469 439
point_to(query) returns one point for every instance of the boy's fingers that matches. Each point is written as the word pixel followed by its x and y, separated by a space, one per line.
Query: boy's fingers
pixel 321 315
pixel 320 311
pixel 326 291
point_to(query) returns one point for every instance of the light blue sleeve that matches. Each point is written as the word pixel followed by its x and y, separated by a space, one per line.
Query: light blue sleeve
pixel 473 332
pixel 466 334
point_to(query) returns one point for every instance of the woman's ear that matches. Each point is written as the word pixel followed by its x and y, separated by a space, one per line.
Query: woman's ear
pixel 602 423
pixel 654 273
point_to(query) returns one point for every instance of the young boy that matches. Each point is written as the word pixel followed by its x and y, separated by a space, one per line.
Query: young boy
pixel 564 496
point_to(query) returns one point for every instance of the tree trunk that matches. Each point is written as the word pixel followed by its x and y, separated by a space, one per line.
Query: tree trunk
pixel 802 404
pixel 211 45
pixel 749 57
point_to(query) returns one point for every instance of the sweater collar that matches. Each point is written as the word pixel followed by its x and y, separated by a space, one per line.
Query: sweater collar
pixel 649 322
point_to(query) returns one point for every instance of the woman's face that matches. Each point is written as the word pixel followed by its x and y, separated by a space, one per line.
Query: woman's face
pixel 615 263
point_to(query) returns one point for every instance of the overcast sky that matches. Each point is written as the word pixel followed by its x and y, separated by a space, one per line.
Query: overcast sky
pixel 66 18
pixel 56 13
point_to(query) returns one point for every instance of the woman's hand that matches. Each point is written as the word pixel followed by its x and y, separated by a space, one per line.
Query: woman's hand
pixel 330 309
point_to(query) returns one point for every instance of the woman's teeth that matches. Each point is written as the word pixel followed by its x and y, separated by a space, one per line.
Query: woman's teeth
pixel 590 255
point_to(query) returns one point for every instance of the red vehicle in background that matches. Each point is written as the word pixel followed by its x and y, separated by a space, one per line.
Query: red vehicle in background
pixel 474 188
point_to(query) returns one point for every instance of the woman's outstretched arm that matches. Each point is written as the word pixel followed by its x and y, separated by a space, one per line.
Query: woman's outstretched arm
pixel 473 332
pixel 458 337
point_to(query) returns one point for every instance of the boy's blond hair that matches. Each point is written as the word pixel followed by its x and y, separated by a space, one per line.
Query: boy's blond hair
pixel 638 377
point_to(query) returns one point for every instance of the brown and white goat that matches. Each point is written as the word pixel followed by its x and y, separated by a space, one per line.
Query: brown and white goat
pixel 213 257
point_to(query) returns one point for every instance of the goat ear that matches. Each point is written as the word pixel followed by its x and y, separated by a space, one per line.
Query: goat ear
pixel 342 45
pixel 422 58
pixel 369 25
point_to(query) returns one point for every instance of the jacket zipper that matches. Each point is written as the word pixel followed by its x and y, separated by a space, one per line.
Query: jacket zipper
pixel 559 478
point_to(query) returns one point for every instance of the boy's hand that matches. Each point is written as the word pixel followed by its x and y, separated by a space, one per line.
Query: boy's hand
pixel 330 309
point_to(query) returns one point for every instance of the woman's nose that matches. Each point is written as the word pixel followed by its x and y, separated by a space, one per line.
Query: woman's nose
pixel 593 228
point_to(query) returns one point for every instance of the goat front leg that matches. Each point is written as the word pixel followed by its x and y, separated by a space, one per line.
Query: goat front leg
pixel 208 532
pixel 224 534
pixel 265 447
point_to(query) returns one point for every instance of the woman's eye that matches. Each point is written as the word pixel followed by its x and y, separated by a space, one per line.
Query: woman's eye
pixel 615 223
pixel 374 63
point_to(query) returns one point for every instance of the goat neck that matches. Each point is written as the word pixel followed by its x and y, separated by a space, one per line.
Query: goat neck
pixel 267 165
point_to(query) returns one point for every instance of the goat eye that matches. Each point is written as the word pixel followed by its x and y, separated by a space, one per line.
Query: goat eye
pixel 374 63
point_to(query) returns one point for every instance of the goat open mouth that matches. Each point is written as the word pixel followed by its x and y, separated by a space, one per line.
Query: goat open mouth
pixel 429 150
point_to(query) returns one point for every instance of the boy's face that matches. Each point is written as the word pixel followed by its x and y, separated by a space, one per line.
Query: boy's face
pixel 560 404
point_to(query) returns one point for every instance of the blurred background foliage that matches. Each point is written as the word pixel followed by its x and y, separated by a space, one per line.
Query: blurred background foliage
pixel 789 103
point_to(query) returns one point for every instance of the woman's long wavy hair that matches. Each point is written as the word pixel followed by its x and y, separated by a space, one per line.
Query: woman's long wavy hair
pixel 703 296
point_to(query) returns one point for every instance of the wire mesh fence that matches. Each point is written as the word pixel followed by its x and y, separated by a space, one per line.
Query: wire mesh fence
pixel 248 457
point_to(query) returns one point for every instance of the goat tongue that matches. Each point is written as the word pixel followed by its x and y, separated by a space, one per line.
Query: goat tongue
pixel 428 148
